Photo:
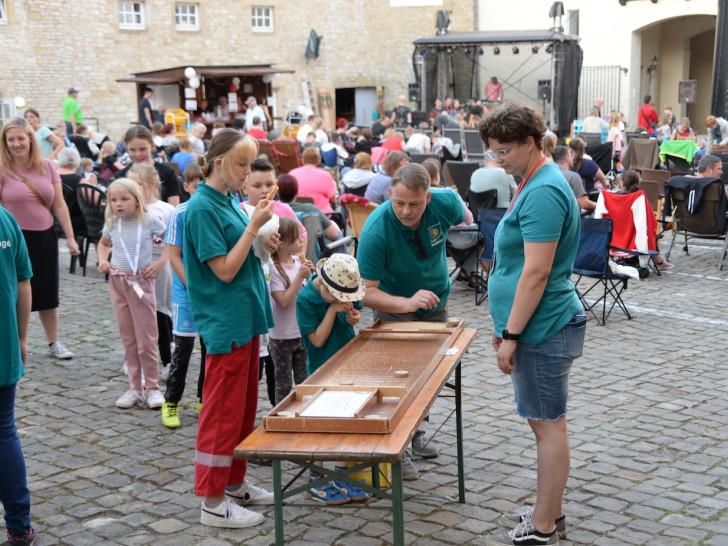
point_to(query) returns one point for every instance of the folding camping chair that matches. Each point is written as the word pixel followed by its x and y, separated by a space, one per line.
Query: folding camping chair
pixel 703 218
pixel 634 237
pixel 592 262
pixel 488 220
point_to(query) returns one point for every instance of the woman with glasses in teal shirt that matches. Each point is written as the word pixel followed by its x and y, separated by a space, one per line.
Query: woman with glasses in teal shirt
pixel 538 319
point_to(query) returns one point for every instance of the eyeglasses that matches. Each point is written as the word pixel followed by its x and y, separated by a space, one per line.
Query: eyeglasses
pixel 417 240
pixel 498 154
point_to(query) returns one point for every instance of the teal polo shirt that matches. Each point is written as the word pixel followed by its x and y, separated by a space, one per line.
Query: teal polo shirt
pixel 14 268
pixel 310 312
pixel 224 313
pixel 387 254
pixel 546 210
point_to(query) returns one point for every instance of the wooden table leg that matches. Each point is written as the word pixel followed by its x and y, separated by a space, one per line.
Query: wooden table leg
pixel 459 433
pixel 278 501
pixel 397 504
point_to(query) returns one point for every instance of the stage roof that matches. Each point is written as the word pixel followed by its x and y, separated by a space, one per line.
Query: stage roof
pixel 494 37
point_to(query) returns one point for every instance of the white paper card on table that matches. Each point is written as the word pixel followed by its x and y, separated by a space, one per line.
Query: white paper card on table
pixel 336 404
pixel 449 352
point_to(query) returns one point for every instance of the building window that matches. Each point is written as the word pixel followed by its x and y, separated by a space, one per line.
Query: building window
pixel 3 13
pixel 131 15
pixel 262 19
pixel 186 16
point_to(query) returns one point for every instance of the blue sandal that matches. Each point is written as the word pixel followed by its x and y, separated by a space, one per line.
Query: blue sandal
pixel 352 491
pixel 326 494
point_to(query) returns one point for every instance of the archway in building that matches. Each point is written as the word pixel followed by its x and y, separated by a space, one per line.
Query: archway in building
pixel 676 49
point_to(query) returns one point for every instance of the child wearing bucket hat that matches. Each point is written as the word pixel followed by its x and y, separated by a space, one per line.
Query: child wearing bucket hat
pixel 327 309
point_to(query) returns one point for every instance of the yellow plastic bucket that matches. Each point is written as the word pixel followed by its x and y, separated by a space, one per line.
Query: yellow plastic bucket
pixel 365 475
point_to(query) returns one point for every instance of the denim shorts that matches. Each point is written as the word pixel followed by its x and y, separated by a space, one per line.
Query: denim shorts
pixel 541 372
pixel 182 323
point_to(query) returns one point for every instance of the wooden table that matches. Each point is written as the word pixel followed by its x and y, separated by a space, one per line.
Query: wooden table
pixel 367 449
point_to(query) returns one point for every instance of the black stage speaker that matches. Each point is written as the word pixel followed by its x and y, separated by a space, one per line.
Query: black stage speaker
pixel 544 90
pixel 687 91
pixel 414 92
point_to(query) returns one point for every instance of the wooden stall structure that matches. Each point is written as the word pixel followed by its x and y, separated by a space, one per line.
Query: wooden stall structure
pixel 174 90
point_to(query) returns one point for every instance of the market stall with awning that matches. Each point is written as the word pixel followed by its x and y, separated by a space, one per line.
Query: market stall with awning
pixel 209 92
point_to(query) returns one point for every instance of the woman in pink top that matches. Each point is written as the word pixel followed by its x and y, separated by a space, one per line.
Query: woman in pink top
pixel 30 188
pixel 314 182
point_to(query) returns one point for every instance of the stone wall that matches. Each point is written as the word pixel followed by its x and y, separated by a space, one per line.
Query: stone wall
pixel 51 45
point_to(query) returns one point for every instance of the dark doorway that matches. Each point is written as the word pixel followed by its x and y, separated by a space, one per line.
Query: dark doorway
pixel 346 103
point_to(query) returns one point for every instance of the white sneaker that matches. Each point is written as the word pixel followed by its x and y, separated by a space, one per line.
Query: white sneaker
pixel 130 399
pixel 58 350
pixel 230 515
pixel 155 399
pixel 163 372
pixel 248 494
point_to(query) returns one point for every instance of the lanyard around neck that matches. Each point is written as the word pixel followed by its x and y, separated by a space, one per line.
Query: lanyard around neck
pixel 134 264
pixel 523 183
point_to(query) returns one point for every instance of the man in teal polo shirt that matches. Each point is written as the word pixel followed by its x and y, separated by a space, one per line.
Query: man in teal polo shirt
pixel 401 250
pixel 403 262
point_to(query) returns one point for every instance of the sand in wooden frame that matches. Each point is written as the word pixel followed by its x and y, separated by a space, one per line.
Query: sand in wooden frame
pixel 368 364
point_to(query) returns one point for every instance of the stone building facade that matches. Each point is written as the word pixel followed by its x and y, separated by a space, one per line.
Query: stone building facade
pixel 51 45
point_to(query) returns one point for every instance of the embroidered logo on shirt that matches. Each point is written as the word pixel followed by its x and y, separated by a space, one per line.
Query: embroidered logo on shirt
pixel 435 233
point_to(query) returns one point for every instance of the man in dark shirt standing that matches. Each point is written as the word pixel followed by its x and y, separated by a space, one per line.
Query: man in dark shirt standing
pixel 145 109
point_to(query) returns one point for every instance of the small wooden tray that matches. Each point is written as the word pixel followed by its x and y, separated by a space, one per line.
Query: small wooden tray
pixel 376 415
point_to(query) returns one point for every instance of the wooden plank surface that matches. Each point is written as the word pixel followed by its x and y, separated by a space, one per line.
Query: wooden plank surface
pixel 356 447
pixel 371 359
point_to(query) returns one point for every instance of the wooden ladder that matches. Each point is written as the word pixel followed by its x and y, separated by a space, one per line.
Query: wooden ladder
pixel 309 95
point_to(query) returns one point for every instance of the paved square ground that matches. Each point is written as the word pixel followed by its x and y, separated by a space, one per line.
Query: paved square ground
pixel 647 420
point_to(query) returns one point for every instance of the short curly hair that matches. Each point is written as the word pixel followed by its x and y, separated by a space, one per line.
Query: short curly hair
pixel 512 122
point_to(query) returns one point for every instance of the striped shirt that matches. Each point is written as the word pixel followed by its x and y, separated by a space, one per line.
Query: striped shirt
pixel 152 227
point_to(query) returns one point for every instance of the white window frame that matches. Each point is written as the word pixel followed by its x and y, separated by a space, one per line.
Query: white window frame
pixel 132 8
pixel 3 12
pixel 187 16
pixel 7 108
pixel 262 18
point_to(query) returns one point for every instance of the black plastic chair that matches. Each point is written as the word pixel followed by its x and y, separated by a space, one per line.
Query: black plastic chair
pixel 487 199
pixel 69 196
pixel 420 158
pixel 458 174
pixel 93 205
pixel 592 262
pixel 473 145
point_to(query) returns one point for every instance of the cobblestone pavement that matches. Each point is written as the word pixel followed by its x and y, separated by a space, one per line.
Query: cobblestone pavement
pixel 648 411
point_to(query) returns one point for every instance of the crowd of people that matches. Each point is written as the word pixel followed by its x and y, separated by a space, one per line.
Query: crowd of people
pixel 219 253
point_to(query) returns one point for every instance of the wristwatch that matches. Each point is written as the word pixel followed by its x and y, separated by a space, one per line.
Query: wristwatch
pixel 507 335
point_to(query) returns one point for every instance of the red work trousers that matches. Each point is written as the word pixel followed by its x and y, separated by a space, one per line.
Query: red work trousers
pixel 230 396
pixel 137 321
